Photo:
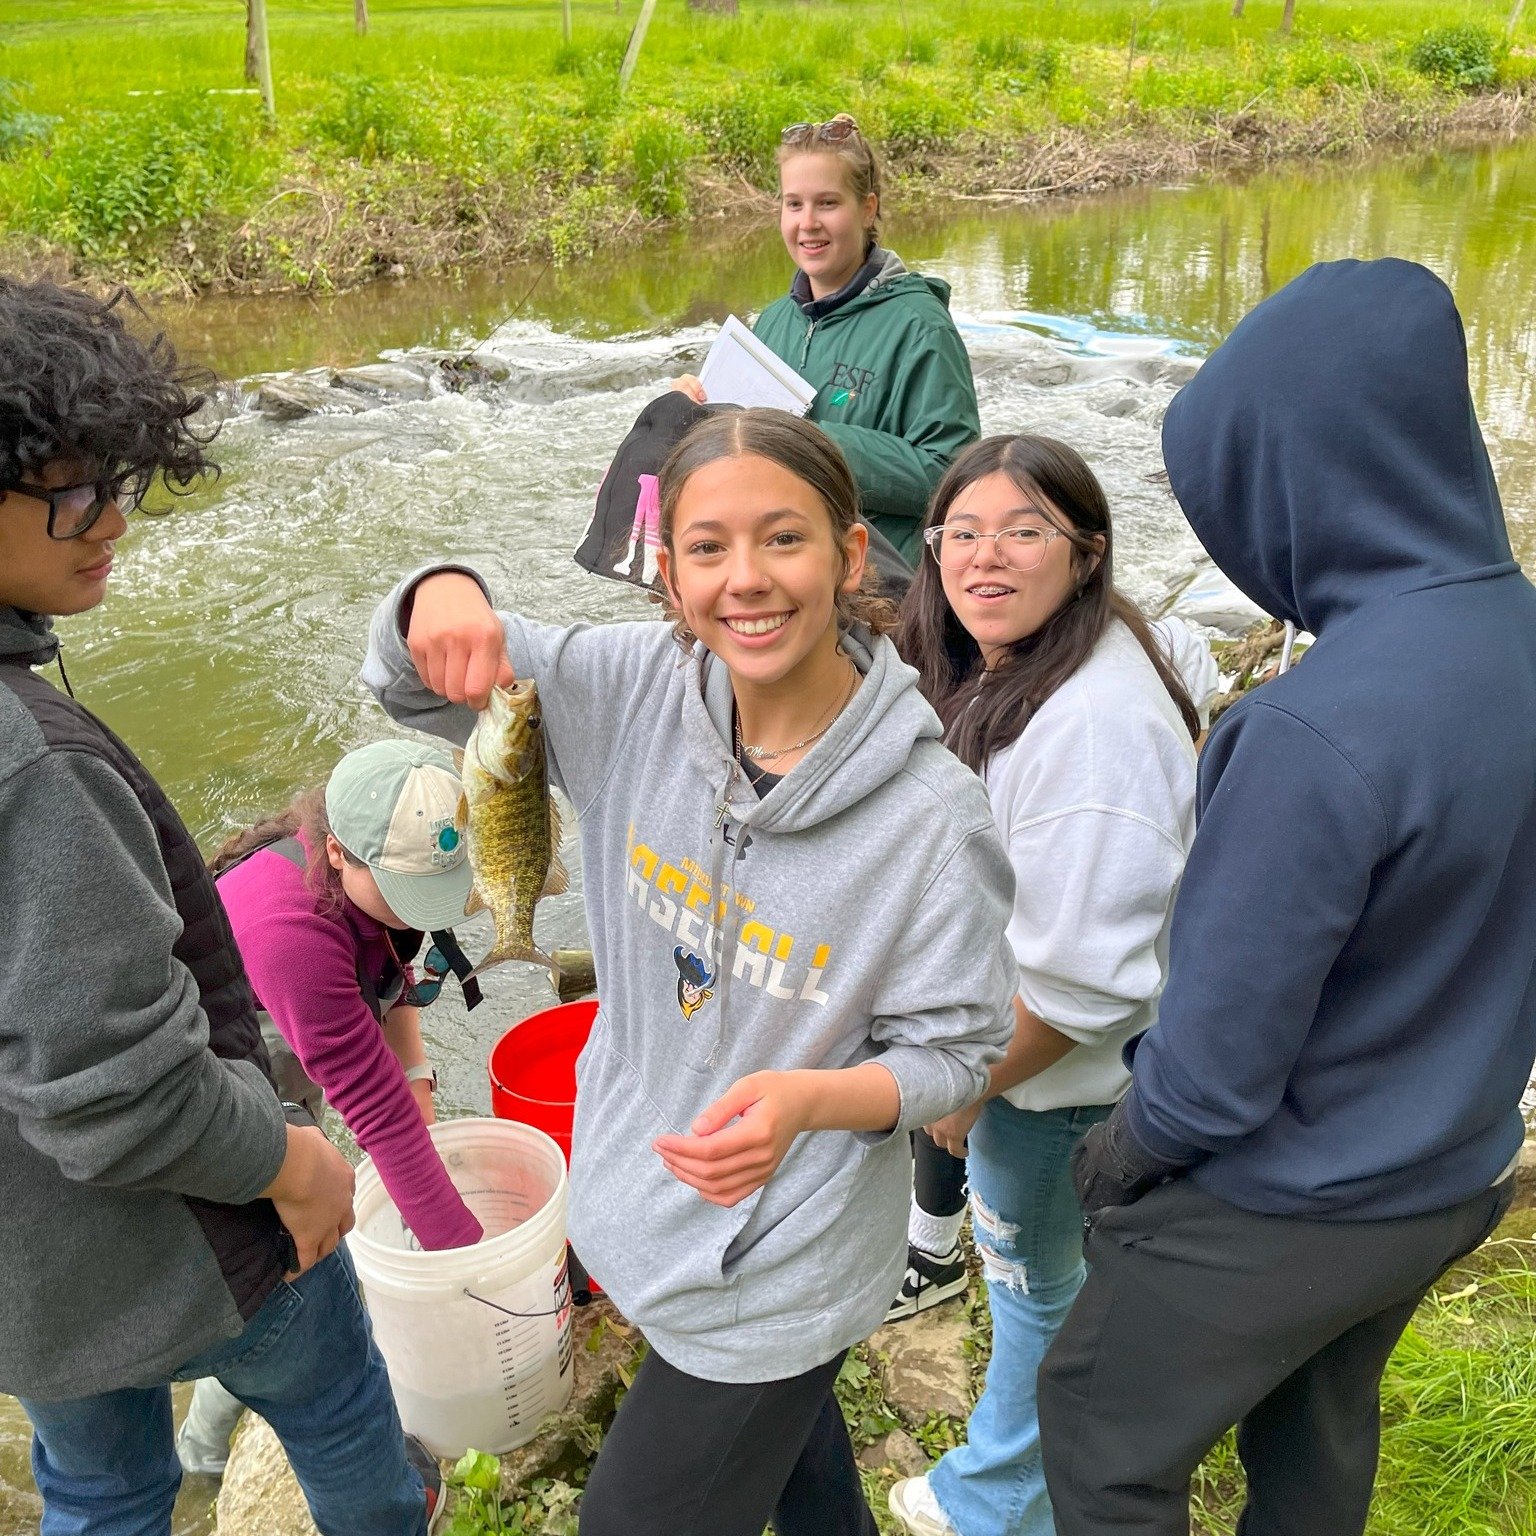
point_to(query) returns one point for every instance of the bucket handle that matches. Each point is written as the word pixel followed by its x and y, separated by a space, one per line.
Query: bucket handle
pixel 495 1307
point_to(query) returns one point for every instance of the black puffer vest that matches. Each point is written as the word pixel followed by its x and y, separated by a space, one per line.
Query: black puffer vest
pixel 245 1238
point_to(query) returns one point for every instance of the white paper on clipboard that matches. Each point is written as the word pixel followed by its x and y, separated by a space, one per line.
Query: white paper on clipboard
pixel 740 370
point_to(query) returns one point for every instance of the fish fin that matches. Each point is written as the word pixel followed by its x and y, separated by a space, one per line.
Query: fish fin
pixel 458 760
pixel 557 882
pixel 473 904
pixel 531 954
pixel 461 812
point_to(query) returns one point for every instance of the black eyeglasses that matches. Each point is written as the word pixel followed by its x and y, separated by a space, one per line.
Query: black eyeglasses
pixel 834 131
pixel 75 509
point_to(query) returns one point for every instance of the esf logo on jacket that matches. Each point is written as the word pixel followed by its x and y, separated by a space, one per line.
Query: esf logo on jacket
pixel 847 381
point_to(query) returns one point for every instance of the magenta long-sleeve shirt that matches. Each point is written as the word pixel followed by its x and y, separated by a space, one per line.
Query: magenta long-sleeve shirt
pixel 303 961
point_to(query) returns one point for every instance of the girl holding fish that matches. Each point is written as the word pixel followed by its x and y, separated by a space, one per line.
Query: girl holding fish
pixel 330 901
pixel 740 1166
pixel 1053 687
pixel 893 381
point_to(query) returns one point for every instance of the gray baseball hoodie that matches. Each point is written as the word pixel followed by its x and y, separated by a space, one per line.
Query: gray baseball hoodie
pixel 856 912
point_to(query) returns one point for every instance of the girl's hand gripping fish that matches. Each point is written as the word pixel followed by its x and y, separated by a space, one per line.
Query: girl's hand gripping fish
pixel 513 825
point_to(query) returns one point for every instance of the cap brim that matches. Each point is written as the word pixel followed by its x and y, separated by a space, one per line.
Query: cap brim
pixel 427 901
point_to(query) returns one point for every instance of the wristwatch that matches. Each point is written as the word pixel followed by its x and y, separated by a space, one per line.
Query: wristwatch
pixel 422 1072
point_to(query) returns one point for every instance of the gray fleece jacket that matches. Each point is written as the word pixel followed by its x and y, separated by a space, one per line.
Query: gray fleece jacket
pixel 856 912
pixel 137 1122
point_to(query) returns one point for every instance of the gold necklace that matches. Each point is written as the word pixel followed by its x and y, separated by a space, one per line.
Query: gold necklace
pixel 772 754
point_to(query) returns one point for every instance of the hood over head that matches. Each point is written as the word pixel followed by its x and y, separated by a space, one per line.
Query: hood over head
pixel 1327 454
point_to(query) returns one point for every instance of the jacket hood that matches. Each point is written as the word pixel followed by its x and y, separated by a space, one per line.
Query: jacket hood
pixel 28 635
pixel 1327 454
pixel 869 743
pixel 895 277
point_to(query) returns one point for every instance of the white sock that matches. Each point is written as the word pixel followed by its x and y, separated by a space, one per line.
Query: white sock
pixel 935 1235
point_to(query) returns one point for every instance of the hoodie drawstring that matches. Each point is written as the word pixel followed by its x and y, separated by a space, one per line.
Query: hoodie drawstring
pixel 63 675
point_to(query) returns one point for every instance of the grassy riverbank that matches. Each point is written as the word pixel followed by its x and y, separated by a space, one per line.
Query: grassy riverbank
pixel 459 133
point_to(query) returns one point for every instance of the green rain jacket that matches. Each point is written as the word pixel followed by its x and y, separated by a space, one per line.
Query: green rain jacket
pixel 893 389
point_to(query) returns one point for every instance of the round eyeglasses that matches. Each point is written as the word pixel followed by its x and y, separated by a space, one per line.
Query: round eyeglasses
pixel 76 509
pixel 1020 549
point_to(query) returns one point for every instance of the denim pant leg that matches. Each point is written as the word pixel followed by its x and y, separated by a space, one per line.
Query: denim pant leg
pixel 315 1375
pixel 1028 1227
pixel 105 1464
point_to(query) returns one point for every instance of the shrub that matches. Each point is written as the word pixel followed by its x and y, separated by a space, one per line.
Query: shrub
pixel 19 128
pixel 373 119
pixel 1465 56
pixel 1006 53
pixel 743 123
pixel 908 116
pixel 116 177
pixel 653 154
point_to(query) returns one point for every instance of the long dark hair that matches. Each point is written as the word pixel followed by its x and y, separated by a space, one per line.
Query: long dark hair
pixel 303 815
pixel 983 712
pixel 809 455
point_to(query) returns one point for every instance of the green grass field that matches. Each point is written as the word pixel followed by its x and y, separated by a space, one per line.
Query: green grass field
pixel 130 140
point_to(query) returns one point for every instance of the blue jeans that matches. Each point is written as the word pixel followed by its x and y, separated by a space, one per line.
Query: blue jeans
pixel 307 1363
pixel 1028 1228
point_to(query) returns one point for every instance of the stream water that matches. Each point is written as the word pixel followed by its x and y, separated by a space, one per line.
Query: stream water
pixel 228 650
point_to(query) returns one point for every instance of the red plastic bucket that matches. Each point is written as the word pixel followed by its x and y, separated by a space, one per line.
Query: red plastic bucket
pixel 533 1069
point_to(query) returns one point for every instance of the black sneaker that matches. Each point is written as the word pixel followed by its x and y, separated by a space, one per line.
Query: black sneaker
pixel 432 1477
pixel 929 1281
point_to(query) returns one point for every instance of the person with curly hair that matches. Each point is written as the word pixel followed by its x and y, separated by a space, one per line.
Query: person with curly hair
pixel 165 1218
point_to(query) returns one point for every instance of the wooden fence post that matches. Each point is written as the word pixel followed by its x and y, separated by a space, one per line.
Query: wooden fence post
pixel 257 23
pixel 636 40
pixel 360 17
pixel 252 63
pixel 1287 16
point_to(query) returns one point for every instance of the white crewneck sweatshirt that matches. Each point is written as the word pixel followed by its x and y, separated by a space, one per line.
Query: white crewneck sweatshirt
pixel 1096 803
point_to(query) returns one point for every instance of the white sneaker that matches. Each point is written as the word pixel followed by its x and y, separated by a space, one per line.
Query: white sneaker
pixel 913 1503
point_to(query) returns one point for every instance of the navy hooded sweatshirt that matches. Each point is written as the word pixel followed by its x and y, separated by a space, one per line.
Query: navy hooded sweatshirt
pixel 1350 1014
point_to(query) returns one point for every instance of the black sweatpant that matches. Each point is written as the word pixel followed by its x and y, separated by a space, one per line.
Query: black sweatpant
pixel 938 1178
pixel 687 1457
pixel 1197 1316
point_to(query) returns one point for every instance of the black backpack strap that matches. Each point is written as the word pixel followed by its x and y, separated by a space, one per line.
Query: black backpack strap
pixel 458 963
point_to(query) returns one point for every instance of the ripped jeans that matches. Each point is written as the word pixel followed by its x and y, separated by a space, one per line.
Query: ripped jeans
pixel 1028 1228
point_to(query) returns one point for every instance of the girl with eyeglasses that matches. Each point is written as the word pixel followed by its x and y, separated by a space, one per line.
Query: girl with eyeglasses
pixel 893 381
pixel 331 901
pixel 1052 686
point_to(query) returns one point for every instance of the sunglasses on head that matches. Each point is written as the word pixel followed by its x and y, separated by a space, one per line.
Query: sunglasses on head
pixel 834 131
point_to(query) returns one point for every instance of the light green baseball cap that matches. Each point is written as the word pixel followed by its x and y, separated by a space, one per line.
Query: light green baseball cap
pixel 393 805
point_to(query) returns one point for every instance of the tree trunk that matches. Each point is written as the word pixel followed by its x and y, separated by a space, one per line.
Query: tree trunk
pixel 1237 7
pixel 565 20
pixel 360 17
pixel 258 32
pixel 252 62
pixel 1287 16
pixel 720 7
pixel 636 42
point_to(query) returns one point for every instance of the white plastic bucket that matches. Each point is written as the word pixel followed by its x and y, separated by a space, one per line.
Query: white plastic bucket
pixel 477 1340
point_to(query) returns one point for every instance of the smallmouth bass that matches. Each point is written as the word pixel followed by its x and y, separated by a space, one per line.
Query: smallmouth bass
pixel 512 823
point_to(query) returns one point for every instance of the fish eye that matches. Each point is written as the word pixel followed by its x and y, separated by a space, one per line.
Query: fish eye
pixel 533 722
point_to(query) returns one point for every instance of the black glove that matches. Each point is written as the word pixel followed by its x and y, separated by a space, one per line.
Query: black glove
pixel 1110 1167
